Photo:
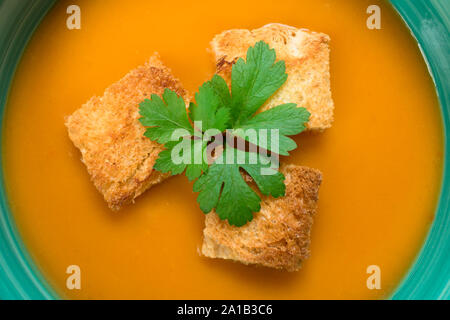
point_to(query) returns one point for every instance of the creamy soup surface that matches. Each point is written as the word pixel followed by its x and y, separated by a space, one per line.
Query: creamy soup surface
pixel 381 161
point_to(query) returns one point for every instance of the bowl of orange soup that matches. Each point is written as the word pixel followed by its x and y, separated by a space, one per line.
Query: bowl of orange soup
pixel 384 198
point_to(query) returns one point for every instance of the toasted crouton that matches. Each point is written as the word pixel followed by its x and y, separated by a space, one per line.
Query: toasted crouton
pixel 279 235
pixel 111 139
pixel 306 55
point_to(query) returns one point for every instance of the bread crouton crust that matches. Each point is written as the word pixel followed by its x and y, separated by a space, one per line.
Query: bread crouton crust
pixel 306 55
pixel 279 235
pixel 111 140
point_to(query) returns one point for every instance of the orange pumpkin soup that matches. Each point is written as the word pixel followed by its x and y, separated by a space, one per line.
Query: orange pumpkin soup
pixel 381 161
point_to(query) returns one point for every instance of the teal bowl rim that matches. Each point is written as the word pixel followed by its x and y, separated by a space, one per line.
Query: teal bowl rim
pixel 429 276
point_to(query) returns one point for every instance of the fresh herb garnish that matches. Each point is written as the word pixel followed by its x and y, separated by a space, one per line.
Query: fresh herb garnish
pixel 223 187
pixel 216 110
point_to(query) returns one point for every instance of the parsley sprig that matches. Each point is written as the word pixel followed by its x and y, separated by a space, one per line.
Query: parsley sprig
pixel 218 179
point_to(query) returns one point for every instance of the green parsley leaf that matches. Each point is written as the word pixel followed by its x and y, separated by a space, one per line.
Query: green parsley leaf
pixel 286 119
pixel 164 116
pixel 222 91
pixel 224 188
pixel 253 81
pixel 209 108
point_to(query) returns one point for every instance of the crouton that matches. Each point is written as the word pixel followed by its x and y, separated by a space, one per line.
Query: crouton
pixel 111 139
pixel 306 55
pixel 279 235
